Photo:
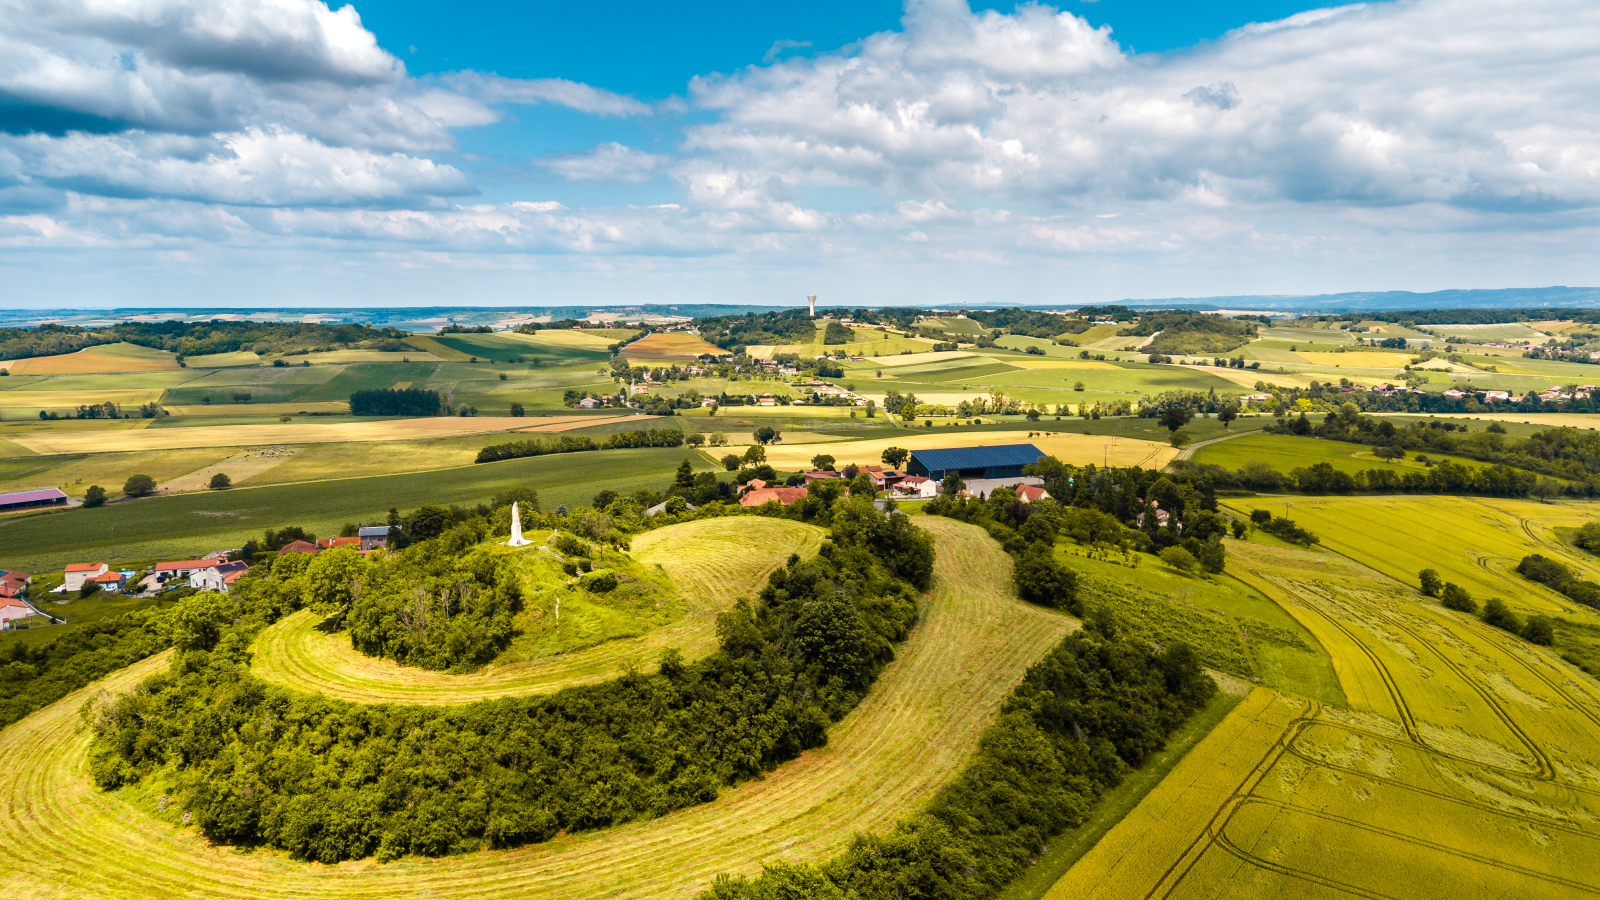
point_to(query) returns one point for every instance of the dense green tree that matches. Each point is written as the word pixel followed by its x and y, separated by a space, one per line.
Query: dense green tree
pixel 94 496
pixel 139 485
pixel 1454 596
pixel 1430 582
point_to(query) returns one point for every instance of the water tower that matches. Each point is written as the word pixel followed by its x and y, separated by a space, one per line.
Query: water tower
pixel 813 299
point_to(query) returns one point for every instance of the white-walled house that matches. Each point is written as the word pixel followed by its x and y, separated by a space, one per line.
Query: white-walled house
pixel 218 577
pixel 78 573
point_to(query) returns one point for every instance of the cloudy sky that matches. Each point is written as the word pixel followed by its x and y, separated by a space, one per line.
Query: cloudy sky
pixel 284 152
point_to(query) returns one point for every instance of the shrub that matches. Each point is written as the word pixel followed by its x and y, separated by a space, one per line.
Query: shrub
pixel 1456 597
pixel 1180 559
pixel 1588 537
pixel 1431 585
pixel 599 581
pixel 220 482
pixel 94 496
pixel 1497 614
pixel 1540 630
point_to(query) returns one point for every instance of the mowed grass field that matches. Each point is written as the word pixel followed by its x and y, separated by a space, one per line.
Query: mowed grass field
pixel 713 561
pixel 1465 765
pixel 916 729
pixel 187 525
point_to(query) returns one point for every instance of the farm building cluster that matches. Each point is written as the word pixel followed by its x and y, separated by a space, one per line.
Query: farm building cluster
pixel 982 469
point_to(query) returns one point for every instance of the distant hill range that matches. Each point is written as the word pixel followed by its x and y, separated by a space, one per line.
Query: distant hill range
pixel 426 319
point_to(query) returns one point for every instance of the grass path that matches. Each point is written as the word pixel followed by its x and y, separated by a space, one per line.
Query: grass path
pixel 714 561
pixel 917 728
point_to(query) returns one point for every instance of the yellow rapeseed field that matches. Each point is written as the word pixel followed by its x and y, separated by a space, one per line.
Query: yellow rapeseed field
pixel 917 728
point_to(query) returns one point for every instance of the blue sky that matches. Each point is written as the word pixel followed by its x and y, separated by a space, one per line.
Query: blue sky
pixel 157 152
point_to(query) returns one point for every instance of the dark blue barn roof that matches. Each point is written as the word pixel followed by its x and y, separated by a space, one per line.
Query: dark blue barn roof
pixel 978 457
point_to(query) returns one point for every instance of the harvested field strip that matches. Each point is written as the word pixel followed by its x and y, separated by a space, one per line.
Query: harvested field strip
pixel 104 359
pixel 672 344
pixel 916 729
pixel 1069 448
pixel 237 467
pixel 716 561
pixel 128 398
pixel 298 433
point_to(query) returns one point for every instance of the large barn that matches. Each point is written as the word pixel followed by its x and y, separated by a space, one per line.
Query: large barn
pixel 31 500
pixel 1003 461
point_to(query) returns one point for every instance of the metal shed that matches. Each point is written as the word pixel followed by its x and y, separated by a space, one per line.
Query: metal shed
pixel 1003 461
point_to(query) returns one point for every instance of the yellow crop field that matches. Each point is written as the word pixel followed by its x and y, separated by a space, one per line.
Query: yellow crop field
pixel 1247 378
pixel 1475 543
pixel 107 359
pixel 1077 449
pixel 1549 420
pixel 1467 764
pixel 223 360
pixel 1358 359
pixel 124 397
pixel 715 561
pixel 917 359
pixel 587 339
pixel 1038 362
pixel 915 730
pixel 672 344
pixel 298 432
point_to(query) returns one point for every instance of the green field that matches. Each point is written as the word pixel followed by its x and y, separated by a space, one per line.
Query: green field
pixel 1286 452
pixel 187 525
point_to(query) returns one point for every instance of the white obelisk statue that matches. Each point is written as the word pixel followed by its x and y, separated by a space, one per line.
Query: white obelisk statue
pixel 517 540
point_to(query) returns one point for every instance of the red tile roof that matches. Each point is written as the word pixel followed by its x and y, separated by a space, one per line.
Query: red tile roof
pixel 177 564
pixel 84 567
pixel 784 495
pixel 330 543
pixel 298 547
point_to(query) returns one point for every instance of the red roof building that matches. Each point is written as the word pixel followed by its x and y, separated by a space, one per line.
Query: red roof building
pixel 783 495
pixel 298 547
pixel 1029 493
pixel 334 543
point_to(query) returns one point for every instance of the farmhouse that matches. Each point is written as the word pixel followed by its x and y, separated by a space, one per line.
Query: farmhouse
pixel 218 577
pixel 783 495
pixel 373 536
pixel 1031 493
pixel 1002 461
pixel 40 499
pixel 77 573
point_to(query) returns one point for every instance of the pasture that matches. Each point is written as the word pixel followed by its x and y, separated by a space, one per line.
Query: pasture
pixel 713 561
pixel 74 473
pixel 1462 766
pixel 182 526
pixel 1507 331
pixel 917 728
pixel 1286 452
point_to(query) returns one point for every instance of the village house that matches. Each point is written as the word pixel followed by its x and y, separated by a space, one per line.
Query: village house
pixel 820 476
pixel 1031 493
pixel 110 582
pixel 298 547
pixel 178 570
pixel 77 573
pixel 917 487
pixel 14 584
pixel 371 537
pixel 335 543
pixel 218 577
pixel 12 609
pixel 783 495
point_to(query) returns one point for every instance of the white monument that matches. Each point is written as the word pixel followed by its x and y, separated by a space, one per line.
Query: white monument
pixel 517 540
pixel 813 299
